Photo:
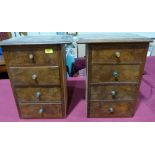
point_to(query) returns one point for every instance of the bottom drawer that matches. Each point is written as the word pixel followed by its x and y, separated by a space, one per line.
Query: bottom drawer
pixel 41 110
pixel 111 109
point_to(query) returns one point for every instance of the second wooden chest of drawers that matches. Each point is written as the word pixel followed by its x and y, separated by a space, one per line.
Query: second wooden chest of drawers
pixel 115 65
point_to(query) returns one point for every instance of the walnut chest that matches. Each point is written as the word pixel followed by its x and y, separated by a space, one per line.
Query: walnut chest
pixel 115 65
pixel 37 70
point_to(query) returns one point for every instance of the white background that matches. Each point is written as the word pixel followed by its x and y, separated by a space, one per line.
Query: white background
pixel 77 138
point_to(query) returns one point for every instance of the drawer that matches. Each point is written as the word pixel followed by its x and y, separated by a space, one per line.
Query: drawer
pixel 115 73
pixel 111 109
pixel 41 110
pixel 24 56
pixel 113 92
pixel 35 75
pixel 118 54
pixel 40 94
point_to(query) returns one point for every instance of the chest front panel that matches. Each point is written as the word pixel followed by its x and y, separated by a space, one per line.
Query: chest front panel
pixel 37 74
pixel 114 73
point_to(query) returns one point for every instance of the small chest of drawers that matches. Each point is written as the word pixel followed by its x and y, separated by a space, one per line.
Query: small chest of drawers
pixel 115 65
pixel 38 76
pixel 114 74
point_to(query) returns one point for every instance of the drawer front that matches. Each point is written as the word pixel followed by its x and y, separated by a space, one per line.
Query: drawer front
pixel 41 110
pixel 38 94
pixel 115 73
pixel 23 56
pixel 113 92
pixel 113 109
pixel 35 75
pixel 117 54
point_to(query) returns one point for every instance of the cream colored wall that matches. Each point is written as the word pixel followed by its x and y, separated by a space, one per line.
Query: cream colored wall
pixel 153 45
pixel 81 50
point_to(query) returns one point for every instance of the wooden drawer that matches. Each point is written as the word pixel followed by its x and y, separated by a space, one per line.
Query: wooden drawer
pixel 113 92
pixel 33 55
pixel 41 110
pixel 111 109
pixel 118 53
pixel 35 75
pixel 115 73
pixel 40 94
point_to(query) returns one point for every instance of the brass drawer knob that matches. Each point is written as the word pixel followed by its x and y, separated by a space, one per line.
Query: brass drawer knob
pixel 115 75
pixel 117 54
pixel 41 110
pixel 113 93
pixel 34 77
pixel 31 56
pixel 38 94
pixel 111 110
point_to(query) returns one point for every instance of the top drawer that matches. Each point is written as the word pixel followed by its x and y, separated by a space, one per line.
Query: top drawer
pixel 33 55
pixel 118 53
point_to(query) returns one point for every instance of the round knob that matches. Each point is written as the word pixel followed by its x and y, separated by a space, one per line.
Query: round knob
pixel 111 110
pixel 41 110
pixel 115 74
pixel 113 93
pixel 34 77
pixel 117 54
pixel 31 56
pixel 38 94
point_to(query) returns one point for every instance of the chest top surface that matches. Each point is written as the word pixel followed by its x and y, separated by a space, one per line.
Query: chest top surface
pixel 36 40
pixel 111 38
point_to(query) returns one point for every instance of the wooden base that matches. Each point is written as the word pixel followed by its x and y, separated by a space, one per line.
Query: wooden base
pixel 3 68
pixel 2 64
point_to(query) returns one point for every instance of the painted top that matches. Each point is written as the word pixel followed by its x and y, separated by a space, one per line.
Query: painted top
pixel 112 37
pixel 37 40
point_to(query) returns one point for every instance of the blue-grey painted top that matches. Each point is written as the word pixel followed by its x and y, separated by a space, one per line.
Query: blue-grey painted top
pixel 112 37
pixel 37 40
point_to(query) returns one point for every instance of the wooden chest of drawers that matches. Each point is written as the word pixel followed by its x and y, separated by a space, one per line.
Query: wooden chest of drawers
pixel 114 70
pixel 37 70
